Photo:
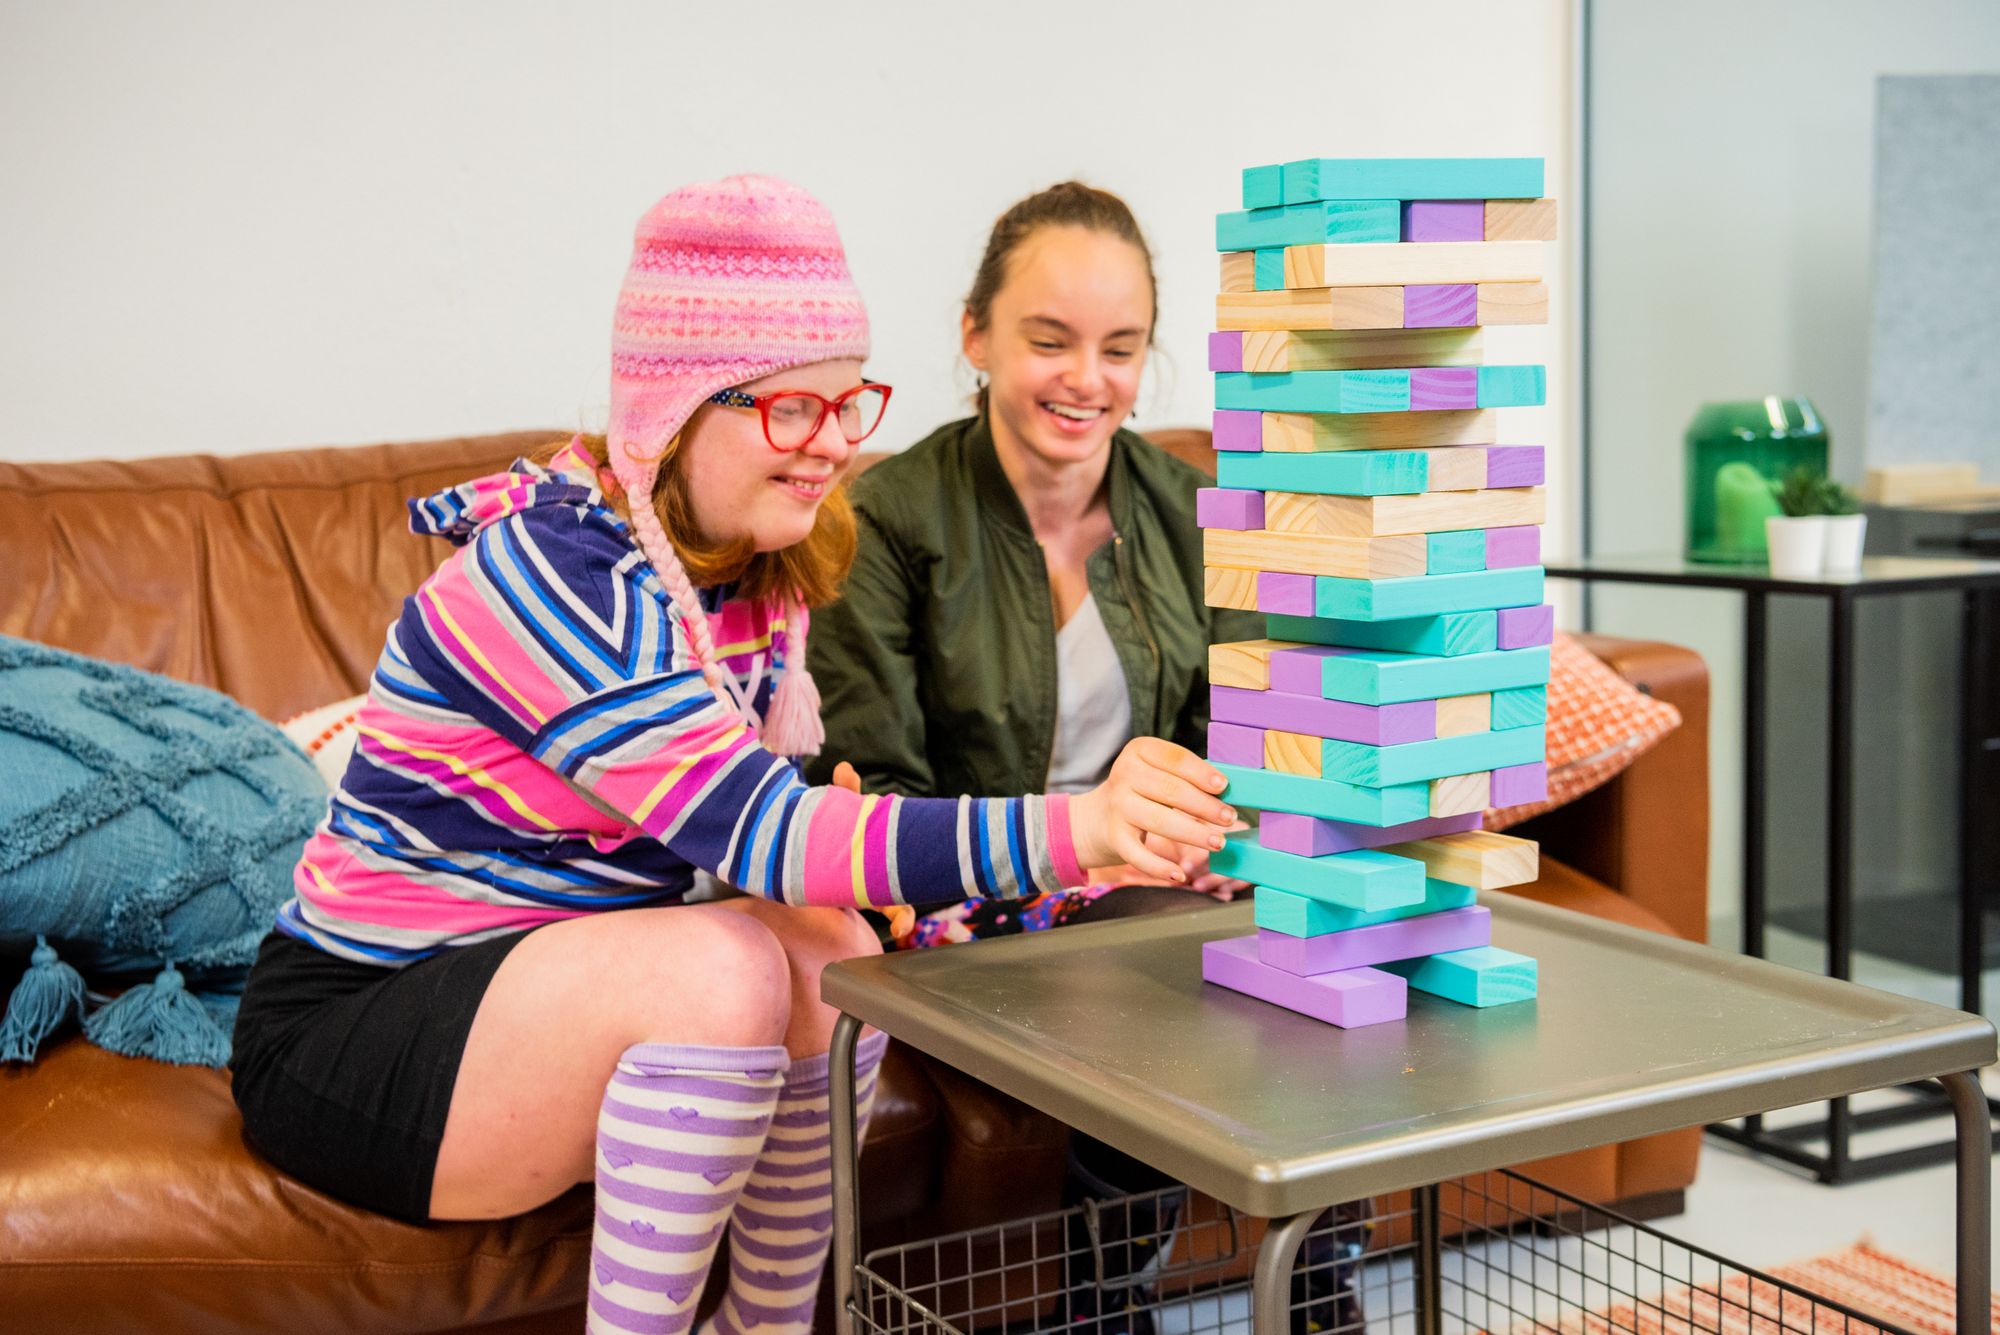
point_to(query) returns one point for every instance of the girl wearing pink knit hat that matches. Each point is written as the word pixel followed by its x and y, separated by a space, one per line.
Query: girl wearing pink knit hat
pixel 488 987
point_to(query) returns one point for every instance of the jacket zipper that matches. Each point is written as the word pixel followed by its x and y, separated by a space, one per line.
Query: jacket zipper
pixel 1133 601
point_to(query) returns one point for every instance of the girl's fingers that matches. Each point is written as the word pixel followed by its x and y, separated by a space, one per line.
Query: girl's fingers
pixel 1171 790
pixel 1176 826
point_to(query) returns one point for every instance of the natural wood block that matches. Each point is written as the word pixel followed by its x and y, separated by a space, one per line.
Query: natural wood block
pixel 1460 793
pixel 1291 752
pixel 1520 220
pixel 1230 588
pixel 1480 859
pixel 1239 271
pixel 1244 663
pixel 1423 512
pixel 1461 469
pixel 1354 349
pixel 1313 554
pixel 1414 262
pixel 1513 303
pixel 1905 484
pixel 1312 308
pixel 1315 433
pixel 1458 715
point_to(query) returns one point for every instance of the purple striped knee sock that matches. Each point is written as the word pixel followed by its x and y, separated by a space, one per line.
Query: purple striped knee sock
pixel 676 1138
pixel 783 1223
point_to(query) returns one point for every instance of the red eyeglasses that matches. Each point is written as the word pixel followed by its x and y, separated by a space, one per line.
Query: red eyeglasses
pixel 794 416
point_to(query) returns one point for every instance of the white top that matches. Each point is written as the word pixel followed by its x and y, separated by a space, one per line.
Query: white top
pixel 1093 711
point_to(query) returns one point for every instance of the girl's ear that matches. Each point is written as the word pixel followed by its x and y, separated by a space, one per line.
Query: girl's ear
pixel 972 341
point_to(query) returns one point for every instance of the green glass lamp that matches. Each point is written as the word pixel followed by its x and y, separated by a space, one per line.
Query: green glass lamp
pixel 1737 453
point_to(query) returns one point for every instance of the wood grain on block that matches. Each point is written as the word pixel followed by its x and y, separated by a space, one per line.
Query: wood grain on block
pixel 1512 386
pixel 1263 187
pixel 1519 546
pixel 1481 976
pixel 1415 262
pixel 1516 784
pixel 1238 271
pixel 1411 178
pixel 1364 880
pixel 1520 707
pixel 1225 350
pixel 1230 588
pixel 1289 753
pixel 1441 758
pixel 1407 938
pixel 1480 859
pixel 1451 633
pixel 1376 677
pixel 1228 507
pixel 1454 552
pixel 1458 468
pixel 1458 715
pixel 1341 221
pixel 1447 220
pixel 1306 433
pixel 1443 388
pixel 1263 790
pixel 1315 554
pixel 1284 591
pixel 1311 837
pixel 1512 303
pixel 1313 308
pixel 1270 268
pixel 1514 466
pixel 1243 663
pixel 1430 306
pixel 1459 794
pixel 1303 507
pixel 1316 716
pixel 1343 473
pixel 1295 915
pixel 1315 391
pixel 1238 432
pixel 1518 220
pixel 1235 744
pixel 1425 595
pixel 1521 627
pixel 1351 349
pixel 1349 1000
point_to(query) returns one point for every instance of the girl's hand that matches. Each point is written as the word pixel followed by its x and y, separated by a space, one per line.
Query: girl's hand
pixel 1156 788
pixel 1192 861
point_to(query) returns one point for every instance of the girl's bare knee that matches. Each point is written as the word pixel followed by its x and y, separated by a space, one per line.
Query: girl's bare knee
pixel 695 976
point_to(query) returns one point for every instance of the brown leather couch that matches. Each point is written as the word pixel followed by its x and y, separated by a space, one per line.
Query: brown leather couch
pixel 128 1200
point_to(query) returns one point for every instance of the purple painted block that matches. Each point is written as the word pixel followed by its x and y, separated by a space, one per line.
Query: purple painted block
pixel 1519 546
pixel 1298 670
pixel 1526 627
pixel 1437 388
pixel 1359 947
pixel 1236 429
pixel 1279 592
pixel 1373 725
pixel 1235 744
pixel 1444 220
pixel 1515 784
pixel 1311 837
pixel 1228 507
pixel 1225 351
pixel 1440 305
pixel 1349 999
pixel 1514 465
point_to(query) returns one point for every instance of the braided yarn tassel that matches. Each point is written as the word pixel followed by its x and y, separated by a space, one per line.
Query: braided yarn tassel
pixel 49 993
pixel 792 725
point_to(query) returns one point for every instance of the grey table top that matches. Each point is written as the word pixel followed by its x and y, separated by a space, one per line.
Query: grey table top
pixel 1110 1028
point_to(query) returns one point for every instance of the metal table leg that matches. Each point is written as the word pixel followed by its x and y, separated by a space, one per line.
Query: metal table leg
pixel 1975 1200
pixel 1754 640
pixel 1971 746
pixel 1840 846
pixel 1430 1261
pixel 846 1178
pixel 1271 1291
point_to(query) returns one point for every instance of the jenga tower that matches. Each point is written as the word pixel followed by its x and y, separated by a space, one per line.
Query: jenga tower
pixel 1369 507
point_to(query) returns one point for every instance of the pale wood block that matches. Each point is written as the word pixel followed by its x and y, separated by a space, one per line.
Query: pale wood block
pixel 1478 858
pixel 1458 715
pixel 1461 794
pixel 1230 588
pixel 1420 262
pixel 1360 349
pixel 1293 753
pixel 1460 469
pixel 1367 557
pixel 1424 512
pixel 1313 433
pixel 1513 303
pixel 1244 663
pixel 1904 484
pixel 1239 271
pixel 1312 308
pixel 1520 220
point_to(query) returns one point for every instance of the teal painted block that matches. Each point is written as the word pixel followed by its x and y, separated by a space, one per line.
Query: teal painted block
pixel 1334 221
pixel 1452 633
pixel 1270 268
pixel 1520 707
pixel 1379 677
pixel 1513 386
pixel 1414 762
pixel 1426 595
pixel 1341 473
pixel 1296 915
pixel 1364 880
pixel 1263 187
pixel 1314 391
pixel 1482 976
pixel 1455 552
pixel 1412 178
pixel 1269 790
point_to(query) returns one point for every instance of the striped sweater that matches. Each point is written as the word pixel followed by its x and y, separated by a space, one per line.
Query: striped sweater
pixel 538 743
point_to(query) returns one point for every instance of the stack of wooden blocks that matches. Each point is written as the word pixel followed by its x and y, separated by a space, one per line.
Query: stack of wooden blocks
pixel 1369 509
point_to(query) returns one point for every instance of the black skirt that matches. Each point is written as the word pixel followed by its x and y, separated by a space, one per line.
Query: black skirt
pixel 344 1071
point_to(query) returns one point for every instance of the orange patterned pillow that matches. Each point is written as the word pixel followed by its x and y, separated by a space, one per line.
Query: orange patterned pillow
pixel 1598 724
pixel 327 736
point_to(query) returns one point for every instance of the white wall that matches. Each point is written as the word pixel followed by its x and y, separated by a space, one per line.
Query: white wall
pixel 242 226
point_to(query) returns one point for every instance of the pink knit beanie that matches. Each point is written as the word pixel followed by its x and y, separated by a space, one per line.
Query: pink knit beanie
pixel 730 280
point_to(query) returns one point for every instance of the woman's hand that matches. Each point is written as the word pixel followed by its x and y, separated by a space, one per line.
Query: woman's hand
pixel 1156 788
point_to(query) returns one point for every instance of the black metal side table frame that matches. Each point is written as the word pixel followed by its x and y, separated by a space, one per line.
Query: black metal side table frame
pixel 1976 582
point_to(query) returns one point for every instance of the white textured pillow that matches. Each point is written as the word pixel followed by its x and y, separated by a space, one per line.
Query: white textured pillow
pixel 327 736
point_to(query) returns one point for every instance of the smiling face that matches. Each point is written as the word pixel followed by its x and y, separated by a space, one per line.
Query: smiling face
pixel 739 487
pixel 1064 343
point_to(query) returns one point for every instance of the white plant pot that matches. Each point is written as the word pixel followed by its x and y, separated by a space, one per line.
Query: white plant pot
pixel 1798 545
pixel 1844 535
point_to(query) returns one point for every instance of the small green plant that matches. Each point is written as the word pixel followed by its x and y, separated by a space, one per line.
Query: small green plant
pixel 1839 500
pixel 1806 492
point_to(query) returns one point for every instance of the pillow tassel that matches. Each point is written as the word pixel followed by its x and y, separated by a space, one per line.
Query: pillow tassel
pixel 43 1000
pixel 160 1020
